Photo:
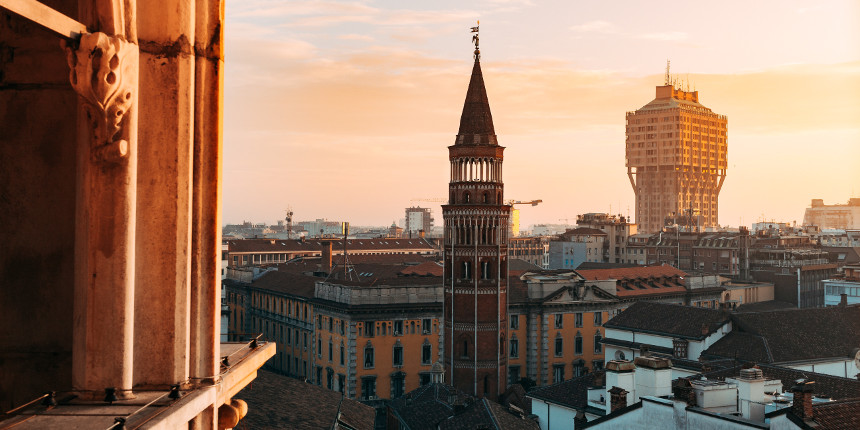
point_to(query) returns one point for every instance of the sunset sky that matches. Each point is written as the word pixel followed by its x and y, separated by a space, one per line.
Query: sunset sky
pixel 345 110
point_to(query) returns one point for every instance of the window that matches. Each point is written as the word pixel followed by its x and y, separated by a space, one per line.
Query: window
pixel 329 378
pixel 330 351
pixel 319 348
pixel 398 328
pixel 330 324
pixel 598 319
pixel 485 270
pixel 342 353
pixel 368 328
pixel 515 322
pixel 578 368
pixel 305 339
pixel 397 384
pixel 368 357
pixel 513 375
pixel 597 365
pixel 318 375
pixel 426 327
pixel 559 346
pixel 368 388
pixel 515 348
pixel 464 353
pixel 341 383
pixel 559 320
pixel 577 319
pixel 467 270
pixel 426 353
pixel 598 347
pixel 424 378
pixel 397 359
pixel 577 344
pixel 558 373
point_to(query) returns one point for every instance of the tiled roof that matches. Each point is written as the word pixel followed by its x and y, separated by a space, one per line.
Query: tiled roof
pixel 424 407
pixel 290 283
pixel 841 415
pixel 581 231
pixel 316 245
pixel 795 334
pixel 664 270
pixel 744 346
pixel 825 385
pixel 669 320
pixel 476 118
pixel 428 268
pixel 520 266
pixel 769 305
pixel 280 402
pixel 572 393
pixel 488 414
pixel 591 265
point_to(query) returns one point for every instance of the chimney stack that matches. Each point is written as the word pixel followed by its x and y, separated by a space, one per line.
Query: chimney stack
pixel 326 256
pixel 843 300
pixel 802 405
pixel 579 420
pixel 421 234
pixel 617 399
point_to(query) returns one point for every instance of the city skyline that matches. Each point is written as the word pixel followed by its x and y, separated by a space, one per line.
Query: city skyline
pixel 350 118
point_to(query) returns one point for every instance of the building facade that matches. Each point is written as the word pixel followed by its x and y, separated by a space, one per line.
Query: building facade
pixel 676 159
pixel 618 230
pixel 418 219
pixel 475 251
pixel 844 217
pixel 531 249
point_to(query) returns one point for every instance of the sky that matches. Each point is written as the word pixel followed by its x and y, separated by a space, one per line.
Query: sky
pixel 344 110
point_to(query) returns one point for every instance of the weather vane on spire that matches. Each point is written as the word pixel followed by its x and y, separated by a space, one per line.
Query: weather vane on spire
pixel 476 39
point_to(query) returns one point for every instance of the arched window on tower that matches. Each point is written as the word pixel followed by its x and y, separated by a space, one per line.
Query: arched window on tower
pixel 464 352
pixel 485 270
pixel 486 197
pixel 467 270
pixel 467 198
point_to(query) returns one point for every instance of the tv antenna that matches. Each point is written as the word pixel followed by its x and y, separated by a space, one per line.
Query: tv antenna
pixel 289 219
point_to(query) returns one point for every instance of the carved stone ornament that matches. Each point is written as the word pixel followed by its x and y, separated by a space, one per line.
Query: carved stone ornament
pixel 104 73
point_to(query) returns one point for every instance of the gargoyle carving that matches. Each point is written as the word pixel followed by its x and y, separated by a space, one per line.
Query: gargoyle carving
pixel 104 72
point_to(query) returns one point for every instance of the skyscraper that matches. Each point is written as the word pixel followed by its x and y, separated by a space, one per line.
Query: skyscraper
pixel 475 251
pixel 676 160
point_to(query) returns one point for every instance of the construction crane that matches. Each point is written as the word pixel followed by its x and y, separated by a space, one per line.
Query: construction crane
pixel 515 214
pixel 431 200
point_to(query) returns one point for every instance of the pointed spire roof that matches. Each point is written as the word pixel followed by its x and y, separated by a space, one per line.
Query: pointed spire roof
pixel 476 122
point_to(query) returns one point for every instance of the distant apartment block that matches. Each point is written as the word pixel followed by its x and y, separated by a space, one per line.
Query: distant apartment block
pixel 843 217
pixel 531 249
pixel 255 252
pixel 417 219
pixel 676 160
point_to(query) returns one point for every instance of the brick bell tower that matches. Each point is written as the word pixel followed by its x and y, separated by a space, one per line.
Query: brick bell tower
pixel 475 251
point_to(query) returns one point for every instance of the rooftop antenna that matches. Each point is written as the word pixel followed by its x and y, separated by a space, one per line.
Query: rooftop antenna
pixel 289 219
pixel 668 79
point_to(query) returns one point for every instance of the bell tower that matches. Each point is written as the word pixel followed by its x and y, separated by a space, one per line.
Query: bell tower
pixel 475 250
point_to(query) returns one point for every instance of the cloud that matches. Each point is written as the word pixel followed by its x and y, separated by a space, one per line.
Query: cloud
pixel 353 36
pixel 603 27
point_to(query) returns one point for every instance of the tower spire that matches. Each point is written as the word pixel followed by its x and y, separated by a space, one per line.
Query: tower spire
pixel 476 39
pixel 476 121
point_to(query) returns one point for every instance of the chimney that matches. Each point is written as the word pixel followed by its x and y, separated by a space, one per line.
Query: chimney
pixel 421 234
pixel 802 405
pixel 617 399
pixel 751 393
pixel 653 377
pixel 682 390
pixel 843 300
pixel 326 257
pixel 579 420
pixel 643 350
pixel 620 374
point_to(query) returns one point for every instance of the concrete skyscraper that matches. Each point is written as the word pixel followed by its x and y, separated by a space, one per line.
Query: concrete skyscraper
pixel 475 251
pixel 676 160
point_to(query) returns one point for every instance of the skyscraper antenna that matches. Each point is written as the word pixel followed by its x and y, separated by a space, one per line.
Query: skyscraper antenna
pixel 668 80
pixel 476 40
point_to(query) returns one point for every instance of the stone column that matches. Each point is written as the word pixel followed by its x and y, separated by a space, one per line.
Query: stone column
pixel 104 72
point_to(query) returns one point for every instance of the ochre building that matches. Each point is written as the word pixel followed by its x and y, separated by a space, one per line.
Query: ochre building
pixel 676 160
